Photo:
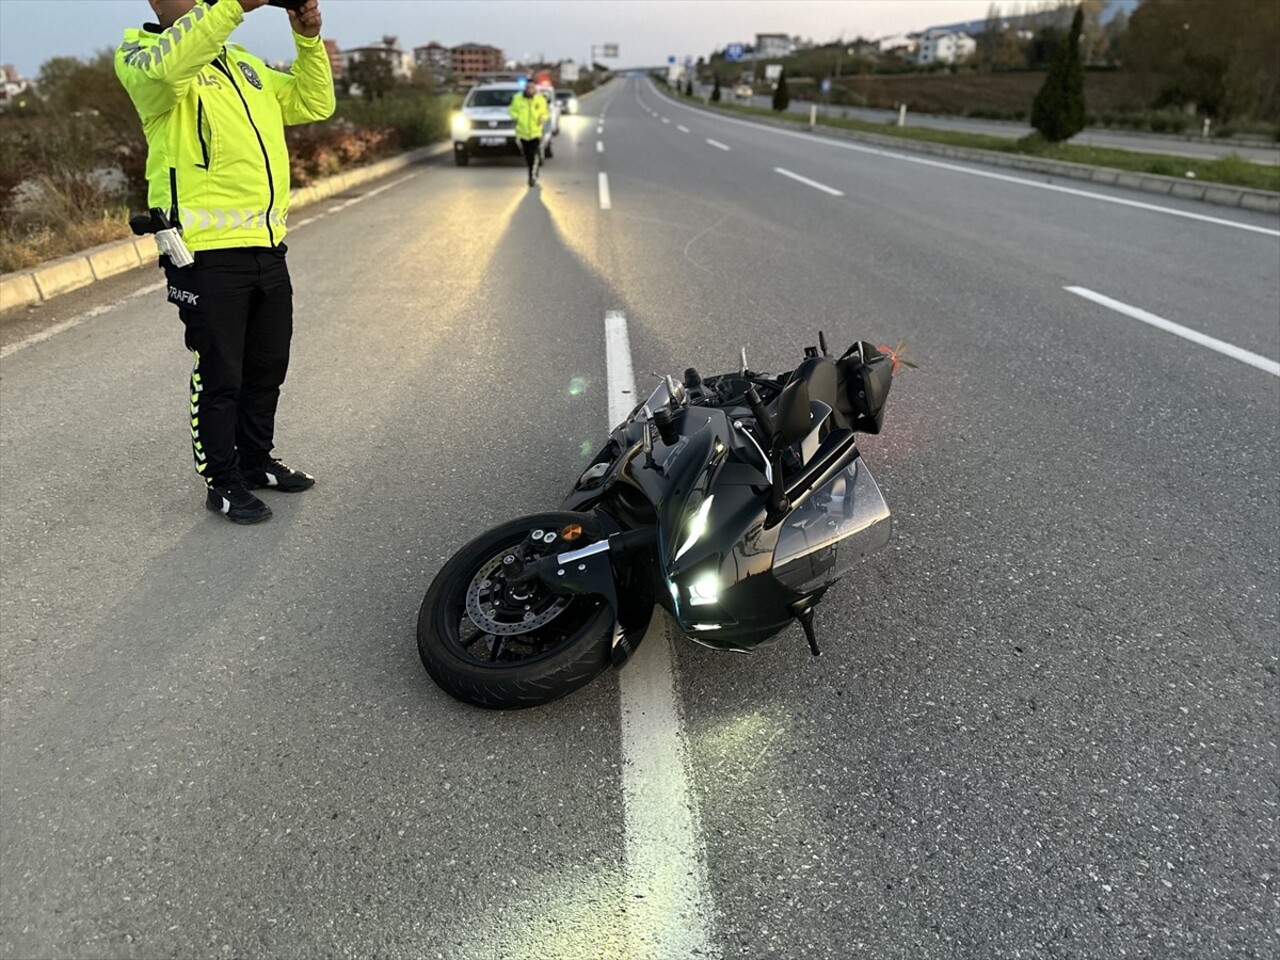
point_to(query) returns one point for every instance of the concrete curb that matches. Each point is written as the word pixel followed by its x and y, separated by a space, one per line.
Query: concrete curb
pixel 1261 201
pixel 54 277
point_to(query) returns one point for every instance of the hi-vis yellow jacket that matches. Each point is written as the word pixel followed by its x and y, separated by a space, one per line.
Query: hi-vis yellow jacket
pixel 530 114
pixel 214 118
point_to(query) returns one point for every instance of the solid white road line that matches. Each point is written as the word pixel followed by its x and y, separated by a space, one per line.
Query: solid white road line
pixel 599 147
pixel 1221 346
pixel 621 377
pixel 668 913
pixel 682 128
pixel 1005 178
pixel 387 186
pixel 606 203
pixel 366 196
pixel 809 183
pixel 57 328
pixel 717 144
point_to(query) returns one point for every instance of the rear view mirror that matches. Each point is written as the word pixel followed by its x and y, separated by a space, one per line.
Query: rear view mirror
pixel 865 377
pixel 793 413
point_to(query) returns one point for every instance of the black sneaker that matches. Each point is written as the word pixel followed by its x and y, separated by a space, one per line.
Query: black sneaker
pixel 237 504
pixel 276 476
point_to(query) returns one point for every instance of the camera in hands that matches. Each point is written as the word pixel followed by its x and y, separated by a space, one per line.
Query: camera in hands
pixel 168 235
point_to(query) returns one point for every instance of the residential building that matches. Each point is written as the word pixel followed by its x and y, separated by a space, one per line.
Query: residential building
pixel 942 47
pixel 472 59
pixel 773 45
pixel 335 58
pixel 901 44
pixel 389 49
pixel 12 84
pixel 435 59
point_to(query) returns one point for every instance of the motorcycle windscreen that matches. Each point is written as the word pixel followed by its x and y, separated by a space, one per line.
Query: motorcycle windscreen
pixel 836 527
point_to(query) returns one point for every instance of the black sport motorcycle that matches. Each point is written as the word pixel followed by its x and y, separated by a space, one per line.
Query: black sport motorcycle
pixel 735 501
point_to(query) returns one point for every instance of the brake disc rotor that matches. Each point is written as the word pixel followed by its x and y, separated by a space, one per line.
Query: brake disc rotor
pixel 484 611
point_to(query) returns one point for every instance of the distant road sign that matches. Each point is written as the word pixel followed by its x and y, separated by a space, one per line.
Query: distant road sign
pixel 610 49
pixel 735 51
pixel 671 59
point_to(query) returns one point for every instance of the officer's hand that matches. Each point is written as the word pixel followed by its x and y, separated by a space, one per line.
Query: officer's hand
pixel 248 5
pixel 306 21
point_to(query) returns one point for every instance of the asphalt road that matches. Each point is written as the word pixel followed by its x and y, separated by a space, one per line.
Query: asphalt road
pixel 1257 152
pixel 1045 721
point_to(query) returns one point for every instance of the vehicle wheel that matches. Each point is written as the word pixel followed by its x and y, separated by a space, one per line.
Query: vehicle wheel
pixel 461 157
pixel 500 645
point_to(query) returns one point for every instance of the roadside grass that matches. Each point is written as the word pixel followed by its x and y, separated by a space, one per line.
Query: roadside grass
pixel 21 248
pixel 54 203
pixel 1231 170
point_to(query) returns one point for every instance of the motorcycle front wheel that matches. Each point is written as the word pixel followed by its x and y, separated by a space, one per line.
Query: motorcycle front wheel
pixel 504 645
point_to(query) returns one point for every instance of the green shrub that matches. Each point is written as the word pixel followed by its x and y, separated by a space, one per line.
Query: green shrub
pixel 781 96
pixel 417 120
pixel 1058 111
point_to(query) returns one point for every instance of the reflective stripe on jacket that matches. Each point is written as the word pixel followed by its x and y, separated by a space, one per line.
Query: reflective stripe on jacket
pixel 214 118
pixel 530 114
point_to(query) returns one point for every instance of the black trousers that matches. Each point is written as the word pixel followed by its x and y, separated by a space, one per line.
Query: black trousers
pixel 532 150
pixel 237 307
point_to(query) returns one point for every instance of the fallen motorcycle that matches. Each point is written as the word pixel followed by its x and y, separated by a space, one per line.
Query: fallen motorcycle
pixel 734 501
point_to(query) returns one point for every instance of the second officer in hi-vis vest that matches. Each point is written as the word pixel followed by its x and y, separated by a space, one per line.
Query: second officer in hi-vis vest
pixel 218 167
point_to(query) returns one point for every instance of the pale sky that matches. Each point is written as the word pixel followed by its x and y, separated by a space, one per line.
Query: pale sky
pixel 646 31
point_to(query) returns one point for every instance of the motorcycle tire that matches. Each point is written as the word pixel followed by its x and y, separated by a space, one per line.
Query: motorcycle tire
pixel 578 655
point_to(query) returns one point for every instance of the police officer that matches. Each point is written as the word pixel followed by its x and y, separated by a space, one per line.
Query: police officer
pixel 530 112
pixel 217 163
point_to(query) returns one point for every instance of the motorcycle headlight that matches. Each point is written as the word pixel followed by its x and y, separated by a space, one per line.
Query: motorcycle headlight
pixel 704 590
pixel 697 527
pixel 461 124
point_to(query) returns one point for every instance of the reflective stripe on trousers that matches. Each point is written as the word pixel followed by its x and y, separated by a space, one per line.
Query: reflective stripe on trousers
pixel 197 448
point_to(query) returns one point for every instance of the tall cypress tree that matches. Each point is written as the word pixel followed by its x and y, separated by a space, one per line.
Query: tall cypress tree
pixel 1058 110
pixel 781 96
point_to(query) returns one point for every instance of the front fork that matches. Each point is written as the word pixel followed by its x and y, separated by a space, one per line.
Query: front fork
pixel 611 568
